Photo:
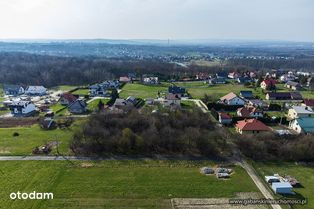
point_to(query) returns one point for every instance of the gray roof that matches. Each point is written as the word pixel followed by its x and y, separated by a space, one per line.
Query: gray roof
pixel 303 110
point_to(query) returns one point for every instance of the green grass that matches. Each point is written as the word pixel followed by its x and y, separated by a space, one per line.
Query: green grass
pixel 63 88
pixel 30 137
pixel 81 92
pixel 302 173
pixel 196 89
pixel 115 184
pixel 63 110
pixel 94 104
pixel 142 91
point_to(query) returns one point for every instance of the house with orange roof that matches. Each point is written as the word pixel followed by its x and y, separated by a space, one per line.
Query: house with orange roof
pixel 251 126
pixel 232 99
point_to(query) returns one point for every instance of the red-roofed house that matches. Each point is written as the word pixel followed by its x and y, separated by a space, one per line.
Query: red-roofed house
pixel 67 98
pixel 232 99
pixel 309 103
pixel 249 112
pixel 251 126
pixel 268 84
pixel 224 118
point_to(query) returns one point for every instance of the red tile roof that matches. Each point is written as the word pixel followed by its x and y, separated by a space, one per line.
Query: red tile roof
pixel 270 82
pixel 69 97
pixel 246 111
pixel 309 102
pixel 252 125
pixel 224 115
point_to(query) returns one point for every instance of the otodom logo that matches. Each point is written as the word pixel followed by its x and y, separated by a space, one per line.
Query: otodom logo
pixel 31 196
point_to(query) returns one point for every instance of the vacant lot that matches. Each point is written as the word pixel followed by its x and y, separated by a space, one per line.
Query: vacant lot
pixel 30 137
pixel 114 184
pixel 302 173
pixel 142 91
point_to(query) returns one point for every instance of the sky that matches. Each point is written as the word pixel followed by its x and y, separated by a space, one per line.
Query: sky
pixel 158 19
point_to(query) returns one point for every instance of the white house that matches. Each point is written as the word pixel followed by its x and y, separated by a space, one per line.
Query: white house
pixel 302 125
pixel 300 112
pixel 36 90
pixel 22 108
pixel 232 99
pixel 150 80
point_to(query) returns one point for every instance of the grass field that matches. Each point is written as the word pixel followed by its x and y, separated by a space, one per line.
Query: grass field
pixel 303 173
pixel 81 92
pixel 63 88
pixel 197 89
pixel 114 184
pixel 30 137
pixel 142 91
pixel 94 104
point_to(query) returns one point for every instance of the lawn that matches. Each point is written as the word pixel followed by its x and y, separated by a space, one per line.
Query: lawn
pixel 63 88
pixel 81 92
pixel 302 173
pixel 197 89
pixel 30 137
pixel 142 91
pixel 114 184
pixel 94 104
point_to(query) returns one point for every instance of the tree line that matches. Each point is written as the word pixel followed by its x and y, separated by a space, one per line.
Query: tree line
pixel 188 133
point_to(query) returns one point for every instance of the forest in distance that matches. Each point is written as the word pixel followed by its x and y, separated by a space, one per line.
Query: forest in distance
pixel 32 69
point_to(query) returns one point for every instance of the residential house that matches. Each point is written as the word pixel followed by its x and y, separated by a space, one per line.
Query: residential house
pixel 293 85
pixel 13 90
pixel 36 90
pixel 246 94
pixel 224 118
pixel 150 80
pixel 250 112
pixel 284 96
pixel 257 103
pixel 302 125
pixel 300 112
pixel 125 79
pixel 308 102
pixel 222 74
pixel 288 77
pixel 177 90
pixel 22 108
pixel 268 84
pixel 132 99
pixel 233 75
pixel 99 90
pixel 244 80
pixel 67 98
pixel 78 107
pixel 123 104
pixel 232 99
pixel 251 126
pixel 214 81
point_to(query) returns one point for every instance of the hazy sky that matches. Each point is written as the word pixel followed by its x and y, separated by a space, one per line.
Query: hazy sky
pixel 158 19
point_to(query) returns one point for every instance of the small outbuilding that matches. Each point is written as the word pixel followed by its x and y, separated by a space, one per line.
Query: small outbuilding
pixel 282 188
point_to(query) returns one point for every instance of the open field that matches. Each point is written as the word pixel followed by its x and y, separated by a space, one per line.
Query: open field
pixel 94 104
pixel 81 92
pixel 197 89
pixel 302 173
pixel 115 184
pixel 142 91
pixel 30 137
pixel 64 88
